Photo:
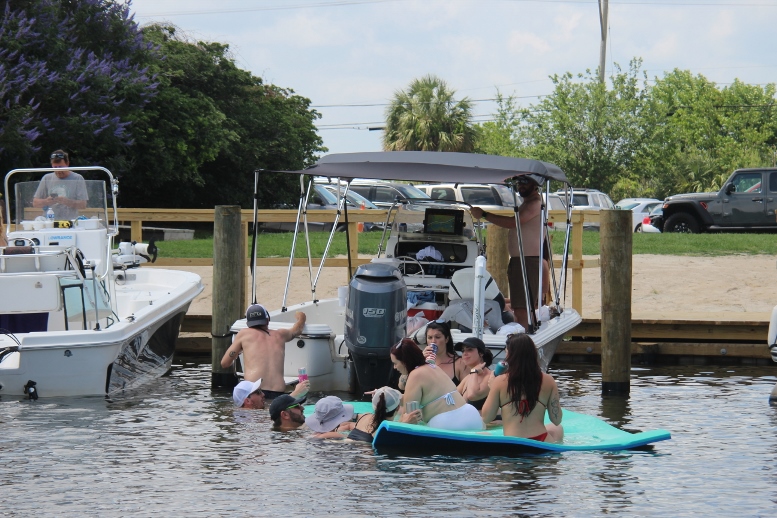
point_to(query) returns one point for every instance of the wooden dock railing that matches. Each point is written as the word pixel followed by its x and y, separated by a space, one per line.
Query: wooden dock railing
pixel 137 217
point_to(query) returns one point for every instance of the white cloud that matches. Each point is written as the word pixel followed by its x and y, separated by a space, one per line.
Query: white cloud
pixel 520 42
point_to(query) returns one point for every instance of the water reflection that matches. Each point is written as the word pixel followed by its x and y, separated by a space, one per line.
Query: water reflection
pixel 176 445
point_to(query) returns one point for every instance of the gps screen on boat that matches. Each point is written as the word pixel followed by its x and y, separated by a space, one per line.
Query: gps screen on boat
pixel 447 222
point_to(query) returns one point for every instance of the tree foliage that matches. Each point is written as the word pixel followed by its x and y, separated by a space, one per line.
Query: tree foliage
pixel 682 134
pixel 71 73
pixel 212 125
pixel 427 117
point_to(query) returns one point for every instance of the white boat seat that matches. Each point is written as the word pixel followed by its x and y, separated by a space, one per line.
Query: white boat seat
pixel 463 284
pixel 461 296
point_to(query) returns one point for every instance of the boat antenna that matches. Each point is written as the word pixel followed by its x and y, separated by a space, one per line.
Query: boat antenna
pixel 253 241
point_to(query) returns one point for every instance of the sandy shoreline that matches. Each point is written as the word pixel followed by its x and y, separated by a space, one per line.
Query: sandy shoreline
pixel 663 286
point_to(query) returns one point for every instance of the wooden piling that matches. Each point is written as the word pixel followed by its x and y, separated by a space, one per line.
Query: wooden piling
pixel 498 256
pixel 615 248
pixel 228 288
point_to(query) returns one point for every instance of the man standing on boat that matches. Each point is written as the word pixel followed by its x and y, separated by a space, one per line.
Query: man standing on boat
pixel 531 225
pixel 63 191
pixel 264 351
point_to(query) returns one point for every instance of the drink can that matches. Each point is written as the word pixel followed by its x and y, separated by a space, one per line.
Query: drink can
pixel 303 373
pixel 500 368
pixel 412 406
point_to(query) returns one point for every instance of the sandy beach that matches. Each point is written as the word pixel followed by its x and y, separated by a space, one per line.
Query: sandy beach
pixel 663 287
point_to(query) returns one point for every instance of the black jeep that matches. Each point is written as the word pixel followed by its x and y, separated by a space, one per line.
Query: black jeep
pixel 747 202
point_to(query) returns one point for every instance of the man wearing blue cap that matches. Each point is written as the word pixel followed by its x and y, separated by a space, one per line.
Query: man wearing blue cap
pixel 264 351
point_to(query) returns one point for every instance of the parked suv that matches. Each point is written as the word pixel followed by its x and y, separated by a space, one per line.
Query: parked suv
pixel 747 201
pixel 589 199
pixel 488 197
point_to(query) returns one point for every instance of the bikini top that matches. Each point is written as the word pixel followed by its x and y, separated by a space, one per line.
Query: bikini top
pixel 360 435
pixel 448 399
pixel 523 405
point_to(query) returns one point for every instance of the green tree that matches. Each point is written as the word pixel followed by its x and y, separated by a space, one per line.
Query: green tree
pixel 72 74
pixel 212 124
pixel 499 137
pixel 595 134
pixel 426 117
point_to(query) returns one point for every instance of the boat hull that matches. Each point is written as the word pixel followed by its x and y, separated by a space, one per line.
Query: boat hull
pixel 323 352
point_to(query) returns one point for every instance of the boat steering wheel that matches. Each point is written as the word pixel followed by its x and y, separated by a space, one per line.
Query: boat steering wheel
pixel 404 270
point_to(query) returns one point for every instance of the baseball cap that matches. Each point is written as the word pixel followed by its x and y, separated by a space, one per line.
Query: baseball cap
pixel 392 396
pixel 256 315
pixel 244 389
pixel 328 414
pixel 473 342
pixel 281 403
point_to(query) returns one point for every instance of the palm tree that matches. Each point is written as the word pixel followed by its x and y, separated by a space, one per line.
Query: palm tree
pixel 426 117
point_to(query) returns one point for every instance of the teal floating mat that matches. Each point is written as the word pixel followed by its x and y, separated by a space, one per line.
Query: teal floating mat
pixel 581 433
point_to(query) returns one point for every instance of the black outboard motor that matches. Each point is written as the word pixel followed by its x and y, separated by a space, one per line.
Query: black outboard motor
pixel 375 319
pixel 31 391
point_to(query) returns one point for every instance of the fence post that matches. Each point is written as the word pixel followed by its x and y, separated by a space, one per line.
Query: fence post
pixel 615 249
pixel 228 286
pixel 497 256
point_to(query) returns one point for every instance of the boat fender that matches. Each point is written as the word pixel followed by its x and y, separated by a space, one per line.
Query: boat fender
pixel 772 335
pixel 31 390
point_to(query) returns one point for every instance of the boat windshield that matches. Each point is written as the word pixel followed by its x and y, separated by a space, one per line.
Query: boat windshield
pixel 68 199
pixel 411 216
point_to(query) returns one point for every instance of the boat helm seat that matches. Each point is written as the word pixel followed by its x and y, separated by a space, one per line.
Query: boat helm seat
pixel 461 296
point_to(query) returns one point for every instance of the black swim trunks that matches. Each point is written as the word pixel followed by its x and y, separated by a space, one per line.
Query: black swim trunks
pixel 271 394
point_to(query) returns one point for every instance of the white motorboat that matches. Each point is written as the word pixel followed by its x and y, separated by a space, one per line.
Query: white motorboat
pixel 440 269
pixel 78 318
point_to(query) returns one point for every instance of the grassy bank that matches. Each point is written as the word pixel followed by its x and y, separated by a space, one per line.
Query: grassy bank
pixel 279 245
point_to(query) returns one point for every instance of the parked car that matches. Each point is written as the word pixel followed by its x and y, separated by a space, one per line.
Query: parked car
pixel 590 199
pixel 384 194
pixel 639 207
pixel 356 201
pixel 649 222
pixel 743 204
pixel 488 197
pixel 320 199
pixel 555 202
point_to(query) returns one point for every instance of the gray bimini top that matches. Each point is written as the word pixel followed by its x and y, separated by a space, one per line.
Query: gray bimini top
pixel 433 167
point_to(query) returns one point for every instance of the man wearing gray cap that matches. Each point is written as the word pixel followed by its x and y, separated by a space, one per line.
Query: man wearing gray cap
pixel 264 350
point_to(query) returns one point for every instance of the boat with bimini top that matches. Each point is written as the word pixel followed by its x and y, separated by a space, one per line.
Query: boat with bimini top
pixel 78 317
pixel 431 258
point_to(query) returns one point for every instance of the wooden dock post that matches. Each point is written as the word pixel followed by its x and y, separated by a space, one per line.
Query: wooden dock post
pixel 228 286
pixel 498 257
pixel 615 243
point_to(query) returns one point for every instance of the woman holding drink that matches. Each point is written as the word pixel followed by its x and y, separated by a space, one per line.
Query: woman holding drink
pixel 440 404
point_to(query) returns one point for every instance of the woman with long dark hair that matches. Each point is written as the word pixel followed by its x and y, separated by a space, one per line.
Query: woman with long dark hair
pixel 439 333
pixel 525 393
pixel 385 402
pixel 441 405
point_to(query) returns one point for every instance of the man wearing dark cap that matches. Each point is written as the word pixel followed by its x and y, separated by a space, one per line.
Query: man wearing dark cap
pixel 264 350
pixel 287 413
pixel 529 216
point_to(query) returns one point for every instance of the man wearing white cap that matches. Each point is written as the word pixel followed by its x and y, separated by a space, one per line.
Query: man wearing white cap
pixel 248 394
pixel 264 350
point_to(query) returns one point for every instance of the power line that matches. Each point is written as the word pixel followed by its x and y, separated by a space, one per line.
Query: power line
pixel 343 3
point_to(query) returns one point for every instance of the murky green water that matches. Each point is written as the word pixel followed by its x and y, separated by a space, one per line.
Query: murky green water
pixel 176 448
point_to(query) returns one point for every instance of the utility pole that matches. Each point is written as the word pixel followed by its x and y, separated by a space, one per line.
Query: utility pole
pixel 603 48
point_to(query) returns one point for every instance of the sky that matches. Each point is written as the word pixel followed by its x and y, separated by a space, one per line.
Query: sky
pixel 349 57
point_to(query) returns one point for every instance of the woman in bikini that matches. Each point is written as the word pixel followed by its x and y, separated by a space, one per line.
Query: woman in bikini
pixel 525 393
pixel 441 404
pixel 385 402
pixel 439 333
pixel 476 358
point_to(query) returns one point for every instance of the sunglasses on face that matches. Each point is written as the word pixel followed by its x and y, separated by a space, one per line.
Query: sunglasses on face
pixel 257 393
pixel 60 156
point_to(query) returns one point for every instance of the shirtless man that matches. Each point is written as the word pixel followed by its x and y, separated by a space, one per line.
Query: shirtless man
pixel 529 214
pixel 264 350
